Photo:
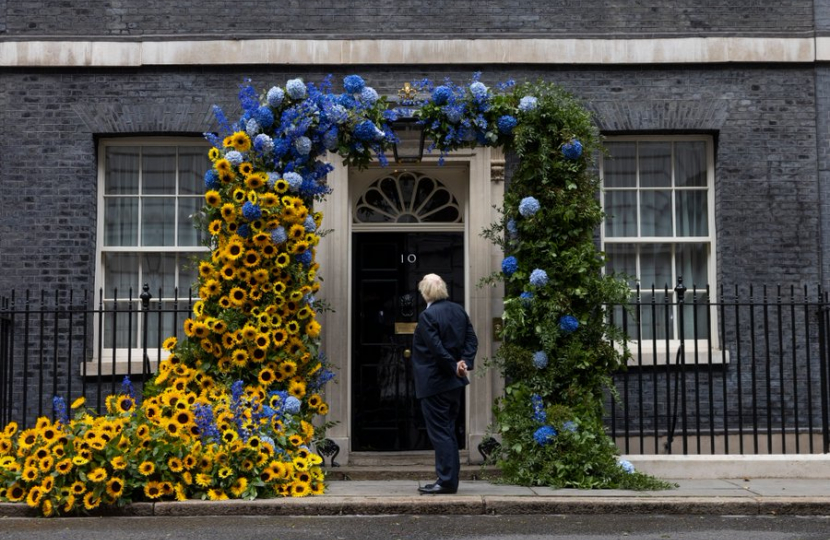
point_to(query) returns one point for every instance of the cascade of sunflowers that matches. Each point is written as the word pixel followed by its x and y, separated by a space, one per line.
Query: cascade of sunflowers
pixel 229 414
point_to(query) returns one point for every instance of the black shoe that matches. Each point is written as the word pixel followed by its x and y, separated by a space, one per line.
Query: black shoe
pixel 436 489
pixel 432 485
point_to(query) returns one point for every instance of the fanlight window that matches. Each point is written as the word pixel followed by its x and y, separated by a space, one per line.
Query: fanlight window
pixel 407 197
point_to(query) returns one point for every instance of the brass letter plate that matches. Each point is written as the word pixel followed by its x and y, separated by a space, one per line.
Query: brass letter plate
pixel 405 327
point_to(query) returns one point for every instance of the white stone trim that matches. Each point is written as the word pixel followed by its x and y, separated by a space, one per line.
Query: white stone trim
pixel 408 51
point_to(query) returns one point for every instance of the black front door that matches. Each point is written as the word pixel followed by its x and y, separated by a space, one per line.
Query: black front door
pixel 386 270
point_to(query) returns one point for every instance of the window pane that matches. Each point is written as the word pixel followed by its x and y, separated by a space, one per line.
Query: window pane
pixel 621 213
pixel 620 166
pixel 695 321
pixel 622 259
pixel 692 209
pixel 692 264
pixel 159 272
pixel 188 274
pixel 193 163
pixel 690 163
pixel 121 170
pixel 157 221
pixel 655 164
pixel 121 324
pixel 168 319
pixel 655 266
pixel 121 273
pixel 121 221
pixel 657 317
pixel 655 213
pixel 189 235
pixel 158 170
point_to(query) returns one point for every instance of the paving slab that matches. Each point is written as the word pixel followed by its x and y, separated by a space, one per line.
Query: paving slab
pixel 794 487
pixel 620 505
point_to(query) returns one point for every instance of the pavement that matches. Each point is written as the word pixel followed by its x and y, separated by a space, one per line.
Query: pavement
pixel 725 496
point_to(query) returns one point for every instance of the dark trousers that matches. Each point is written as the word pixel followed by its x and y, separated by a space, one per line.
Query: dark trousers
pixel 440 412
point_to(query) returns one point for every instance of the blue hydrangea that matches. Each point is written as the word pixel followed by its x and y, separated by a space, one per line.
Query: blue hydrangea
pixel 568 323
pixel 529 206
pixel 263 143
pixel 454 112
pixel 303 145
pixel 369 95
pixel 304 257
pixel 212 179
pixel 478 90
pixel 272 179
pixel 278 235
pixel 539 414
pixel 627 466
pixel 244 230
pixel 572 150
pixel 337 114
pixel 264 117
pixel 506 124
pixel 295 88
pixel 528 103
pixel 527 298
pixel 367 131
pixel 295 181
pixel 235 157
pixel 252 127
pixel 538 278
pixel 441 95
pixel 330 139
pixel 292 405
pixel 512 228
pixel 275 96
pixel 509 265
pixel 540 360
pixel 544 435
pixel 570 425
pixel 251 211
pixel 353 84
pixel 309 224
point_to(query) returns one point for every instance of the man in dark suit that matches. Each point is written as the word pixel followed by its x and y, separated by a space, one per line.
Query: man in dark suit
pixel 444 348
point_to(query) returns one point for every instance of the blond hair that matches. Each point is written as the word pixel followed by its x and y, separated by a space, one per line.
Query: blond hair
pixel 433 288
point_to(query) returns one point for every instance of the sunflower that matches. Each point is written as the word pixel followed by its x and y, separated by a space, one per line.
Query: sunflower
pixel 292 327
pixel 239 195
pixel 147 468
pixel 30 473
pixel 305 312
pixel 125 404
pixel 323 409
pixel 246 168
pixel 268 200
pixel 213 198
pixel 153 490
pixel 299 489
pixel 115 487
pixel 312 329
pixel 281 186
pixel 234 248
pixel 203 480
pixel 255 181
pixel 288 368
pixel 183 418
pixel 213 154
pixel 239 357
pixel 238 296
pixel 297 389
pixel 239 486
pixel 298 248
pixel 225 472
pixel 296 232
pixel 228 212
pixel 241 141
pixel 217 494
pixel 251 258
pixel 258 355
pixel 223 166
pixel 15 492
pixel 314 401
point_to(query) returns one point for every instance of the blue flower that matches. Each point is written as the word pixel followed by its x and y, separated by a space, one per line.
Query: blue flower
pixel 539 414
pixel 304 257
pixel 441 95
pixel 512 228
pixel 263 143
pixel 264 117
pixel 527 298
pixel 303 145
pixel 454 112
pixel 529 206
pixel 235 157
pixel 292 405
pixel 528 103
pixel 337 114
pixel 295 88
pixel 509 265
pixel 59 410
pixel 572 150
pixel 506 123
pixel 295 181
pixel 538 278
pixel 252 127
pixel 244 230
pixel 251 211
pixel 369 95
pixel 212 179
pixel 570 425
pixel 478 90
pixel 353 84
pixel 627 466
pixel 544 435
pixel 203 417
pixel 275 96
pixel 330 139
pixel 568 323
pixel 540 359
pixel 127 387
pixel 309 224
pixel 278 235
pixel 367 131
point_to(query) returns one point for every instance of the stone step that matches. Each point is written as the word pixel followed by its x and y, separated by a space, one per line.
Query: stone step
pixel 405 472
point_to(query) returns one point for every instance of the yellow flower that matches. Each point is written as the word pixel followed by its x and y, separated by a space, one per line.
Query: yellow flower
pixel 238 296
pixel 78 488
pixel 213 154
pixel 215 227
pixel 153 490
pixel 239 486
pixel 170 343
pixel 241 141
pixel 180 492
pixel 118 463
pixel 91 502
pixel 225 472
pixel 147 468
pixel 312 329
pixel 34 496
pixel 203 479
pixel 15 492
pixel 228 212
pixel 217 494
pixel 115 487
pixel 234 248
pixel 30 474
pixel 246 168
pixel 281 186
pixel 212 198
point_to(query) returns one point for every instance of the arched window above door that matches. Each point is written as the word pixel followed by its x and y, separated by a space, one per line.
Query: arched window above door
pixel 407 197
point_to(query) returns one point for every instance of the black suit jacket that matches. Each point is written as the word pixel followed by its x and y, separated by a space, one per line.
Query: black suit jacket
pixel 444 336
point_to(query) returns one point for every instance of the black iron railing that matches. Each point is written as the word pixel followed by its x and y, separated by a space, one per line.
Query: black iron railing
pixel 742 371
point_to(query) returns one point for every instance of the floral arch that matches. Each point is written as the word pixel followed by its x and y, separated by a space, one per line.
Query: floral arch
pixel 230 412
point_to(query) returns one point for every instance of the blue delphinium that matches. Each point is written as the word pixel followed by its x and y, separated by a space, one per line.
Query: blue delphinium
pixel 369 95
pixel 235 157
pixel 203 417
pixel 509 265
pixel 506 124
pixel 538 278
pixel 275 96
pixel 528 103
pixel 252 127
pixel 627 466
pixel 544 435
pixel 539 414
pixel 353 84
pixel 303 145
pixel 529 206
pixel 127 387
pixel 251 211
pixel 568 323
pixel 540 359
pixel 441 95
pixel 296 89
pixel 212 179
pixel 292 405
pixel 294 180
pixel 59 410
pixel 324 376
pixel 572 150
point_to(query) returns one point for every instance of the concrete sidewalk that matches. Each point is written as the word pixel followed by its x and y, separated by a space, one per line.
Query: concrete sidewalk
pixel 710 496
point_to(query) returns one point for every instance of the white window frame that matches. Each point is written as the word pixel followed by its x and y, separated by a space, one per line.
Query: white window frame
pixel 662 351
pixel 132 356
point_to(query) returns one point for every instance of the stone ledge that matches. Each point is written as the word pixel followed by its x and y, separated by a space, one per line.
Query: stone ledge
pixel 733 466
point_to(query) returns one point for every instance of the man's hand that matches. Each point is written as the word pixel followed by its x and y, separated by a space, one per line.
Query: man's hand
pixel 461 368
